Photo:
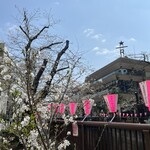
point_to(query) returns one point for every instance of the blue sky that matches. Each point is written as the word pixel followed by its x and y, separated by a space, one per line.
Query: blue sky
pixel 95 27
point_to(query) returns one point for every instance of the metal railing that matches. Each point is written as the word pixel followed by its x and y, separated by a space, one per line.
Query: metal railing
pixel 95 135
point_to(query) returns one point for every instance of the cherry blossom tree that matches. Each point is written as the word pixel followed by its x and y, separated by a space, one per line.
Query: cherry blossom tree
pixel 38 68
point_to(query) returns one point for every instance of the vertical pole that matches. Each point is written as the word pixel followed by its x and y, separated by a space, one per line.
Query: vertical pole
pixel 137 99
pixel 146 139
pixel 82 137
pixel 137 105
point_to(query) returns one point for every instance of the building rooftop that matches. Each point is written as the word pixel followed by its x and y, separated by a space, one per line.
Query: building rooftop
pixel 120 63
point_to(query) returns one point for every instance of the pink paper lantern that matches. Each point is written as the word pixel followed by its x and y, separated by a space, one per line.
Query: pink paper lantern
pixel 145 89
pixel 49 107
pixel 53 107
pixel 111 101
pixel 72 108
pixel 61 108
pixel 87 104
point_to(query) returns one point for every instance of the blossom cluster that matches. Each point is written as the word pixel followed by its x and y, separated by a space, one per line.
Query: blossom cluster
pixel 42 110
pixel 68 119
pixel 25 121
pixel 32 139
pixel 64 145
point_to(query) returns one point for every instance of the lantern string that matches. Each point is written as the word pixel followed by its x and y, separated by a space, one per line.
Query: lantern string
pixel 84 118
pixel 113 117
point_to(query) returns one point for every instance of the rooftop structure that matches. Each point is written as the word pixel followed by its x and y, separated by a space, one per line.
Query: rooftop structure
pixel 121 76
pixel 122 68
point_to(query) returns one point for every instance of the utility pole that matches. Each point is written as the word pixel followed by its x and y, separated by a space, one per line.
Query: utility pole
pixel 137 106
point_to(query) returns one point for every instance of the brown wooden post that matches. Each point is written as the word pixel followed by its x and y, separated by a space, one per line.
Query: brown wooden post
pixel 146 134
pixel 82 136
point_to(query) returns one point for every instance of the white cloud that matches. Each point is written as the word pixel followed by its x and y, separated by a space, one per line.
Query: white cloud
pixel 132 39
pixel 13 28
pixel 97 36
pixel 96 49
pixel 88 32
pixel 104 51
pixel 103 40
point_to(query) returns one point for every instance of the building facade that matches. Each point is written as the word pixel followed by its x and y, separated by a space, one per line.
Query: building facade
pixel 121 76
pixel 3 97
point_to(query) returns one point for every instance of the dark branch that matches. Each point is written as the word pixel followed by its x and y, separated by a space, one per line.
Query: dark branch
pixel 38 76
pixel 45 90
pixel 50 45
pixel 53 71
pixel 26 22
pixel 62 69
pixel 24 32
pixel 68 81
pixel 35 37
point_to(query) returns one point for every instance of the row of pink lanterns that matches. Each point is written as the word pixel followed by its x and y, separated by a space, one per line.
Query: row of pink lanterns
pixel 110 99
pixel 60 108
pixel 125 114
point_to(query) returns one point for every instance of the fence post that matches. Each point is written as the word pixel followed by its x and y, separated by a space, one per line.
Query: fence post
pixel 82 136
pixel 146 139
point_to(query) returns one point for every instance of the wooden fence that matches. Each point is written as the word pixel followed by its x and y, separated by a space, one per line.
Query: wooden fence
pixel 95 135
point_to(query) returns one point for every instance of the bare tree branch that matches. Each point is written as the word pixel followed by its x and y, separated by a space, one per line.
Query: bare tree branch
pixel 26 23
pixel 69 78
pixel 50 45
pixel 38 76
pixel 24 32
pixel 38 34
pixel 54 69
pixel 45 90
pixel 62 69
pixel 33 38
pixel 25 19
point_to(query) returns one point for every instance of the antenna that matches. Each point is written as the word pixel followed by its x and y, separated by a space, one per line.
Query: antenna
pixel 140 56
pixel 121 47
